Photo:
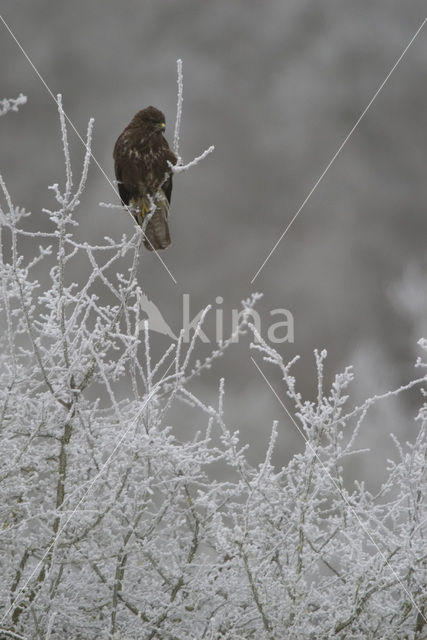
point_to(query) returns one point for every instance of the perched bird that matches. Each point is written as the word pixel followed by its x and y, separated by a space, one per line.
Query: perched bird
pixel 144 177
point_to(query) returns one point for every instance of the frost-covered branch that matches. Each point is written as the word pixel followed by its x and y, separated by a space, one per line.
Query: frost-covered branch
pixel 180 166
pixel 12 104
pixel 178 108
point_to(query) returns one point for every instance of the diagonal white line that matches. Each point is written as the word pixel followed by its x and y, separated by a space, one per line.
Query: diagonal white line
pixel 340 148
pixel 362 525
pixel 37 72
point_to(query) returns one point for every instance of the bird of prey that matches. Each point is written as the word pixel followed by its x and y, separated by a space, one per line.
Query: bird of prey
pixel 144 176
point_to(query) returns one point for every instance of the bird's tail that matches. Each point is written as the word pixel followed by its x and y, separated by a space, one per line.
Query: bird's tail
pixel 157 230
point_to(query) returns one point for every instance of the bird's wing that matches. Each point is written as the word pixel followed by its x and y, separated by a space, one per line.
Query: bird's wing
pixel 118 168
pixel 167 188
pixel 170 157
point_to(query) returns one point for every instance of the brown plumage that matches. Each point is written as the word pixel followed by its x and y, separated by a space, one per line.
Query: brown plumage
pixel 141 156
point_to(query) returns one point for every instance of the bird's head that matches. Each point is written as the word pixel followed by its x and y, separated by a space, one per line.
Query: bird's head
pixel 152 119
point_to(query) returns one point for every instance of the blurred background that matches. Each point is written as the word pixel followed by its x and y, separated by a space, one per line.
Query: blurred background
pixel 275 86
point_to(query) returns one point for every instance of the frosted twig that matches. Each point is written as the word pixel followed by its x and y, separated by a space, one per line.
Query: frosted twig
pixel 147 355
pixel 86 161
pixel 110 205
pixel 179 168
pixel 12 104
pixel 381 396
pixel 50 625
pixel 7 198
pixel 178 108
pixel 11 634
pixel 66 149
pixel 197 331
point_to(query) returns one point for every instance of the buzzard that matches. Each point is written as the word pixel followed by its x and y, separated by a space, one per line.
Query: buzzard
pixel 144 177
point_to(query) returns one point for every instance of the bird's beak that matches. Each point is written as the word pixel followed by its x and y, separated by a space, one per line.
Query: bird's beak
pixel 163 126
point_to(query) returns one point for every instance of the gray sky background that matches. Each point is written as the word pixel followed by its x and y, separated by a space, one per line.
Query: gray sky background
pixel 276 86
